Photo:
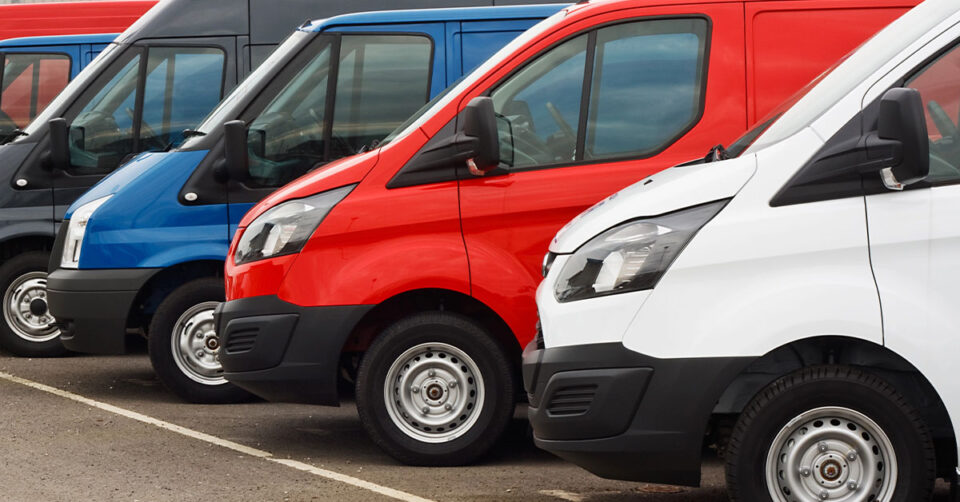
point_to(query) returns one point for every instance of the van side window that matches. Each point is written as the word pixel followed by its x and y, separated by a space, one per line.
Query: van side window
pixel 644 83
pixel 646 90
pixel 182 86
pixel 101 135
pixel 29 83
pixel 939 86
pixel 381 80
pixel 285 139
pixel 540 107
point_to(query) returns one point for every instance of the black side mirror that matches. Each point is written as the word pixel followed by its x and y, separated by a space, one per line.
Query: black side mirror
pixel 902 120
pixel 480 129
pixel 235 150
pixel 59 144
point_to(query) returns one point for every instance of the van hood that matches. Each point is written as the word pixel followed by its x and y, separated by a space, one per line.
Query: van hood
pixel 342 172
pixel 673 189
pixel 150 171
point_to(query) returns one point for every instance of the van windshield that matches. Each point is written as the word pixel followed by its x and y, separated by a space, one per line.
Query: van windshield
pixel 846 75
pixel 232 105
pixel 338 98
pixel 748 138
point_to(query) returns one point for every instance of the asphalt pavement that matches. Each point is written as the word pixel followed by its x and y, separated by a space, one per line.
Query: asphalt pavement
pixel 103 428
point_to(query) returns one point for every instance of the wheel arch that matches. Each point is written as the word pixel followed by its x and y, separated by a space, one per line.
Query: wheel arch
pixel 422 300
pixel 842 350
pixel 163 283
pixel 12 245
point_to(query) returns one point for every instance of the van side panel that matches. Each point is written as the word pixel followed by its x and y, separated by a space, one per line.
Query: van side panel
pixel 72 18
pixel 784 51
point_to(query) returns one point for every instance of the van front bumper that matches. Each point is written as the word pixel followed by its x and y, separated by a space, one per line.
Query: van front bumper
pixel 623 415
pixel 284 352
pixel 92 306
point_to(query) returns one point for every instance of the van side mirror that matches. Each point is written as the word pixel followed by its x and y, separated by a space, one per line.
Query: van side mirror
pixel 59 157
pixel 480 130
pixel 235 150
pixel 902 121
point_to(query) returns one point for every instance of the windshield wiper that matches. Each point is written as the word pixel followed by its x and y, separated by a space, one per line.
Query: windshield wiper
pixel 12 135
pixel 373 144
pixel 715 154
pixel 189 133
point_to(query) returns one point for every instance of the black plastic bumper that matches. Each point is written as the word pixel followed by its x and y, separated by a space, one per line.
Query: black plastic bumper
pixel 622 415
pixel 92 306
pixel 284 352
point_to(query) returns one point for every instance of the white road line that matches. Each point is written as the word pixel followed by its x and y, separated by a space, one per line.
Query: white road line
pixel 565 495
pixel 207 438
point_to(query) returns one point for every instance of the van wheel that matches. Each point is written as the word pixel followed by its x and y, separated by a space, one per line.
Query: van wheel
pixel 830 433
pixel 28 329
pixel 184 347
pixel 435 389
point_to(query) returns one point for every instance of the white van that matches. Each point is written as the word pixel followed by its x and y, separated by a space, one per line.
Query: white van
pixel 794 300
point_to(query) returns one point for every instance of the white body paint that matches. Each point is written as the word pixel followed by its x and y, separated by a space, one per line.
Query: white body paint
pixel 757 277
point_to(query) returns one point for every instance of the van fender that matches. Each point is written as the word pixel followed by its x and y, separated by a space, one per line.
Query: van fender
pixel 176 255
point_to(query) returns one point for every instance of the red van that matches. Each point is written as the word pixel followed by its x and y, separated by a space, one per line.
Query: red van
pixel 70 18
pixel 411 268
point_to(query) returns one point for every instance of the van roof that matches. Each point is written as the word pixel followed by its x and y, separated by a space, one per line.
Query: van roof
pixel 98 38
pixel 435 15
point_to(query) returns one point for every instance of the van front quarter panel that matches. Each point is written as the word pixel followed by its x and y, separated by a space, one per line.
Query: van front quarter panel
pixel 372 247
pixel 815 255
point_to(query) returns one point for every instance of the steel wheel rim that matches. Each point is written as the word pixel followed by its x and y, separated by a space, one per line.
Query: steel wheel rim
pixel 433 392
pixel 831 454
pixel 25 308
pixel 196 347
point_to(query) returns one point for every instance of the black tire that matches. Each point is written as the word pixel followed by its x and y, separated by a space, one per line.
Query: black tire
pixel 835 386
pixel 20 266
pixel 160 340
pixel 499 391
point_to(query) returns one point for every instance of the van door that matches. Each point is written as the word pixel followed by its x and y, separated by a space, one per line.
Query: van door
pixel 142 102
pixel 915 240
pixel 782 56
pixel 587 117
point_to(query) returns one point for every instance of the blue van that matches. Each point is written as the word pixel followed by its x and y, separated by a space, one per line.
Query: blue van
pixel 36 69
pixel 144 249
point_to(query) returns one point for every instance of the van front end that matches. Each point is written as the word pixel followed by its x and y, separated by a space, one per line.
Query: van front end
pixel 616 412
pixel 130 257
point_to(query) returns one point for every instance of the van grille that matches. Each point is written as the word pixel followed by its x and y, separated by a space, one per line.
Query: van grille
pixel 572 400
pixel 241 340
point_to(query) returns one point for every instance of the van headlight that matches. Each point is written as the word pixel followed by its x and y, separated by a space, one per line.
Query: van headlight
pixel 76 229
pixel 285 228
pixel 632 256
